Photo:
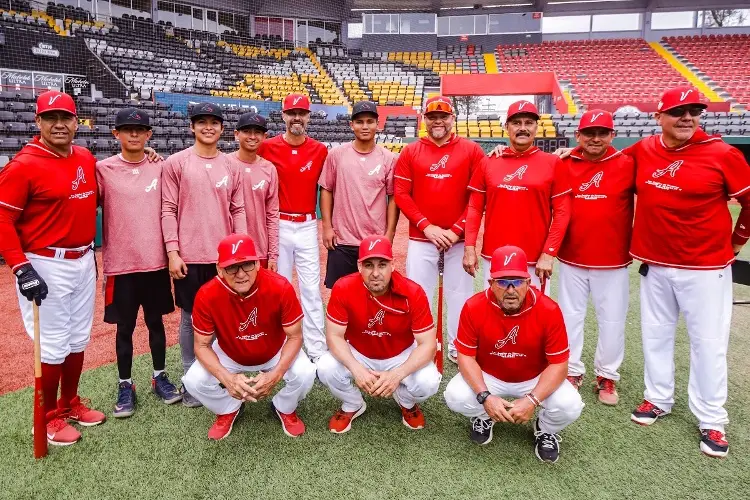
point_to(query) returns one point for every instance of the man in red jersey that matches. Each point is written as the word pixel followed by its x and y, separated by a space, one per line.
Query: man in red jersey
pixel 256 318
pixel 260 184
pixel 683 235
pixel 512 342
pixel 202 203
pixel 431 179
pixel 47 229
pixel 299 161
pixel 380 337
pixel 531 183
pixel 594 254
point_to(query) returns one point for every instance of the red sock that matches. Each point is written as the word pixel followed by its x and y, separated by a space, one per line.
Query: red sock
pixel 50 382
pixel 71 374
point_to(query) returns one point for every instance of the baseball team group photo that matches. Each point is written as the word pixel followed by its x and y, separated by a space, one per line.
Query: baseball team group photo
pixel 288 298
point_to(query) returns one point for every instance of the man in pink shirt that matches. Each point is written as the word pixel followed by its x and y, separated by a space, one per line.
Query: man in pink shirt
pixel 202 202
pixel 356 182
pixel 260 184
pixel 135 263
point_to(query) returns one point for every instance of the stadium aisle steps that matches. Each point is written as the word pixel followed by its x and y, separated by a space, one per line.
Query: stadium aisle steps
pixel 490 64
pixel 572 108
pixel 686 72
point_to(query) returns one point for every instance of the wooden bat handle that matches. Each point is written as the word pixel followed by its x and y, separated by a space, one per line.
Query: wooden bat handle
pixel 37 343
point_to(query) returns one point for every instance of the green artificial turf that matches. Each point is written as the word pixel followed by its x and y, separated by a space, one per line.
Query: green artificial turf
pixel 162 452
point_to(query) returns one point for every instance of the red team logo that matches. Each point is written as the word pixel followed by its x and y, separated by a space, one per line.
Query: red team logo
pixel 308 165
pixel 441 164
pixel 595 180
pixel 671 169
pixel 511 337
pixel 251 319
pixel 518 173
pixel 377 319
pixel 80 179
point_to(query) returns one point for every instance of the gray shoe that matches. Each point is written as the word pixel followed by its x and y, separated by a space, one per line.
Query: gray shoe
pixel 189 400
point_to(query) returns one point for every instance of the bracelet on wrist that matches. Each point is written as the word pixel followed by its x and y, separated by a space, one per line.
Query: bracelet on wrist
pixel 533 399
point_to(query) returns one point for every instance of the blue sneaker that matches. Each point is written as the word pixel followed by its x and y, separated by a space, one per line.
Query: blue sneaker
pixel 165 390
pixel 125 406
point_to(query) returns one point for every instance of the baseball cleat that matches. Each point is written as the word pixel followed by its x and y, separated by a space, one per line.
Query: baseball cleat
pixel 189 400
pixel 223 425
pixel 341 421
pixel 714 443
pixel 165 390
pixel 481 430
pixel 546 445
pixel 647 413
pixel 413 418
pixel 125 406
pixel 576 380
pixel 607 390
pixel 291 424
pixel 81 414
pixel 59 431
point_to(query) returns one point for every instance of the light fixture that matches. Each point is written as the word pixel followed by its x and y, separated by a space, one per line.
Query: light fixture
pixel 564 2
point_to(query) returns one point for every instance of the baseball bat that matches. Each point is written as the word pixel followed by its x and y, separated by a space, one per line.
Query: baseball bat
pixel 544 283
pixel 40 417
pixel 439 331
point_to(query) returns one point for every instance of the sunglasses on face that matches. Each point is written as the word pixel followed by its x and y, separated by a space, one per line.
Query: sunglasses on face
pixel 234 268
pixel 506 283
pixel 679 112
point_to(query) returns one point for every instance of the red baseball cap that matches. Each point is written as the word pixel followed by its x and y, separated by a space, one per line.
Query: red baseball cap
pixel 375 246
pixel 597 118
pixel 522 107
pixel 296 101
pixel 54 100
pixel 236 248
pixel 680 96
pixel 439 103
pixel 509 261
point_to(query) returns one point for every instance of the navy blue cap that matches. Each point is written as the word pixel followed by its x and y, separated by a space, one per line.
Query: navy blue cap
pixel 364 107
pixel 132 116
pixel 206 109
pixel 251 120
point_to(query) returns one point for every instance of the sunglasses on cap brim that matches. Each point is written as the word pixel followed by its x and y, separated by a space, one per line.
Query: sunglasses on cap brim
pixel 680 111
pixel 439 107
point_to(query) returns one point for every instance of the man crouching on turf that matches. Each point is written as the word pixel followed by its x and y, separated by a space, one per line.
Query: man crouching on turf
pixel 257 320
pixel 512 343
pixel 382 336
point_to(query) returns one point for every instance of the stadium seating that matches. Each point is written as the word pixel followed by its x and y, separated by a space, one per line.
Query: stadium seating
pixel 452 61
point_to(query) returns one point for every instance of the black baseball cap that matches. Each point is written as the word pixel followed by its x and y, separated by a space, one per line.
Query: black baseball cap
pixel 132 116
pixel 364 107
pixel 206 109
pixel 251 120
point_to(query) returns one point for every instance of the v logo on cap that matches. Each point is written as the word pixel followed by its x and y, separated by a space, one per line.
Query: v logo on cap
pixel 53 99
pixel 296 100
pixel 683 95
pixel 372 244
pixel 236 246
pixel 595 116
pixel 508 258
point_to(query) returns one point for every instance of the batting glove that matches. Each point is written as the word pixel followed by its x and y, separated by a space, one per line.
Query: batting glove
pixel 30 284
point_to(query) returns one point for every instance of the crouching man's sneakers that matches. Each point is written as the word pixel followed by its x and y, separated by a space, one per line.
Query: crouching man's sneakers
pixel 223 425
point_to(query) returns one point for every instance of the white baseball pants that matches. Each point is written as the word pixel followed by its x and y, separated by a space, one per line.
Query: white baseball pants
pixel 66 315
pixel 458 287
pixel 559 410
pixel 610 292
pixel 532 271
pixel 705 299
pixel 205 387
pixel 298 248
pixel 413 389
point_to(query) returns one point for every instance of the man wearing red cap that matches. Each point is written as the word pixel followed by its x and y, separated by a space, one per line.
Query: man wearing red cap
pixel 381 337
pixel 531 184
pixel 299 161
pixel 256 318
pixel 47 229
pixel 594 254
pixel 431 179
pixel 512 343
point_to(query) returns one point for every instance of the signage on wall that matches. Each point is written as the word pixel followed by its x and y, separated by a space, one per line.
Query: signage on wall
pixel 49 81
pixel 536 15
pixel 45 49
pixel 463 38
pixel 16 80
pixel 76 84
pixel 11 79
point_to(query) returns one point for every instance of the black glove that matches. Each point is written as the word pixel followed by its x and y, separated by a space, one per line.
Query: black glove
pixel 30 284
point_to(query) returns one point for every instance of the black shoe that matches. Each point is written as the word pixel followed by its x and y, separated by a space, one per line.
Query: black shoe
pixel 481 430
pixel 714 443
pixel 189 400
pixel 546 445
pixel 125 406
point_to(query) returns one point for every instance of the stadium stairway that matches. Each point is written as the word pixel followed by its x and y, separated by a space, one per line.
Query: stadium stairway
pixel 689 75
pixel 490 64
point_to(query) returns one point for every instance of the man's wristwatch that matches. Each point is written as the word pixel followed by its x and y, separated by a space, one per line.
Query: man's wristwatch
pixel 482 396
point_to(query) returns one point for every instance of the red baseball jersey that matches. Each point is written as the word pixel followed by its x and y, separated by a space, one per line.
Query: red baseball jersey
pixel 380 327
pixel 513 348
pixel 299 168
pixel 46 200
pixel 519 194
pixel 601 216
pixel 249 329
pixel 431 183
pixel 682 219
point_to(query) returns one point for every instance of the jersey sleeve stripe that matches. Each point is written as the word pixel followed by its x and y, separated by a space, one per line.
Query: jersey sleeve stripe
pixel 11 206
pixel 14 268
pixel 422 330
pixel 560 194
pixel 475 189
pixel 202 332
pixel 730 194
pixel 467 345
pixel 402 178
pixel 337 321
pixel 290 323
pixel 556 353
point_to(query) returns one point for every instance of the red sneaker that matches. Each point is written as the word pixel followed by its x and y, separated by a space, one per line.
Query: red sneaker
pixel 576 380
pixel 714 443
pixel 413 418
pixel 341 421
pixel 607 391
pixel 292 425
pixel 647 413
pixel 59 431
pixel 83 415
pixel 223 425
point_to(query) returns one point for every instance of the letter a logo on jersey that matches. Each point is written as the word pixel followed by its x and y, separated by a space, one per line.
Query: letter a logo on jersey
pixel 151 186
pixel 511 337
pixel 518 173
pixel 80 179
pixel 441 164
pixel 683 95
pixel 595 180
pixel 377 319
pixel 308 166
pixel 236 246
pixel 252 318
pixel 223 182
pixel 259 185
pixel 671 170
pixel 508 258
pixel 374 171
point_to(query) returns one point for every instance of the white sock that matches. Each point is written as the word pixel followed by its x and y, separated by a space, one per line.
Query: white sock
pixel 158 372
pixel 128 380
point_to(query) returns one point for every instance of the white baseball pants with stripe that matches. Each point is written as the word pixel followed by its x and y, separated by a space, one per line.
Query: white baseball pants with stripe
pixel 413 389
pixel 532 271
pixel 66 315
pixel 458 287
pixel 298 249
pixel 705 299
pixel 559 410
pixel 299 379
pixel 610 292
